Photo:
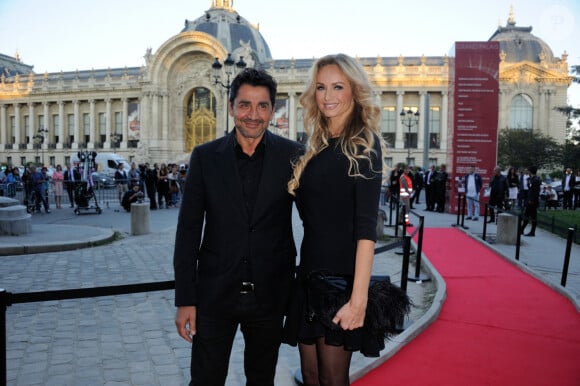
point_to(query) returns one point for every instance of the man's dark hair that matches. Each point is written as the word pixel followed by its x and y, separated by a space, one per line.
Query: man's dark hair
pixel 533 169
pixel 254 78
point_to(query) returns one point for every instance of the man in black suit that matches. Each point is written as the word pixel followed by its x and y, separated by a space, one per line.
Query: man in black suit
pixel 235 255
pixel 568 183
pixel 71 178
pixel 430 188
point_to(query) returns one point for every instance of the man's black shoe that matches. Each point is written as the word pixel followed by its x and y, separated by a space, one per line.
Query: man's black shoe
pixel 530 234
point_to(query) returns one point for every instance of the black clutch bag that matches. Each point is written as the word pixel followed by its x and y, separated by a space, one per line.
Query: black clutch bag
pixel 386 307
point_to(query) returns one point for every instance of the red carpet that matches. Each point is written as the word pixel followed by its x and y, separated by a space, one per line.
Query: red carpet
pixel 498 325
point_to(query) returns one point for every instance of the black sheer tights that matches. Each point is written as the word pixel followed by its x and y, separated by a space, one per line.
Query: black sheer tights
pixel 324 365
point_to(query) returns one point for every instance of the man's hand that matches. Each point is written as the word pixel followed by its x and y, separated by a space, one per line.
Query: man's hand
pixel 185 322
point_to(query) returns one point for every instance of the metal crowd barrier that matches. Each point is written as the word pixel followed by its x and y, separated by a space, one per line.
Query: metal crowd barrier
pixel 571 234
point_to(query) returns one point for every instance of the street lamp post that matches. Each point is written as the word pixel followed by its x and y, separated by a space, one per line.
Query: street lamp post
pixel 39 140
pixel 409 119
pixel 230 68
pixel 115 141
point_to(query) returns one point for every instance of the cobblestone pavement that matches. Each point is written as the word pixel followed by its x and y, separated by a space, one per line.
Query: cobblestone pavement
pixel 125 339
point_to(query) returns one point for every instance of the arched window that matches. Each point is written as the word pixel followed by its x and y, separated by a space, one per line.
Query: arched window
pixel 521 112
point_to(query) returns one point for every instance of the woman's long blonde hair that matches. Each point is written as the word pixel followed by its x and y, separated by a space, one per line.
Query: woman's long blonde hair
pixel 361 130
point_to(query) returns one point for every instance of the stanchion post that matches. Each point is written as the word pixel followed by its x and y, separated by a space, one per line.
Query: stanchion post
pixel 484 222
pixel 519 237
pixel 463 205
pixel 458 207
pixel 567 256
pixel 391 211
pixel 405 267
pixel 397 220
pixel 418 278
pixel 404 217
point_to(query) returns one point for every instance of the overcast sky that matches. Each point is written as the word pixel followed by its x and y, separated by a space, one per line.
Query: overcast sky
pixel 84 34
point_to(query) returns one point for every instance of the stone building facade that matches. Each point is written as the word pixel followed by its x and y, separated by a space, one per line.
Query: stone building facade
pixel 160 111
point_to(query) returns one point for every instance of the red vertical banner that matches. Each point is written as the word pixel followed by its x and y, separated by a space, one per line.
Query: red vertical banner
pixel 473 114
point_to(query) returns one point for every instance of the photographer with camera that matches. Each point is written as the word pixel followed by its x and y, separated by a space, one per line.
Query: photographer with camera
pixel 131 196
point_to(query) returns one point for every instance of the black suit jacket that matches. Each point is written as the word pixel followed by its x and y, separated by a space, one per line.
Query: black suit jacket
pixel 218 242
pixel 76 175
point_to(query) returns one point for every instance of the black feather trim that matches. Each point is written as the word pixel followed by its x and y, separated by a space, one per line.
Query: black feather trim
pixel 387 304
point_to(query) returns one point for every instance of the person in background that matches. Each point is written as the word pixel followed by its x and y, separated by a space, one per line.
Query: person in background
pixel 577 190
pixel 568 183
pixel 418 182
pixel 235 257
pixel 440 188
pixel 131 196
pixel 531 213
pixel 394 181
pixel 163 187
pixel 473 184
pixel 2 180
pixel 551 198
pixel 498 193
pixel 38 183
pixel 174 189
pixel 430 177
pixel 27 182
pixel 122 181
pixel 12 180
pixel 406 193
pixel 151 185
pixel 513 181
pixel 337 185
pixel 134 175
pixel 523 189
pixel 71 178
pixel 57 182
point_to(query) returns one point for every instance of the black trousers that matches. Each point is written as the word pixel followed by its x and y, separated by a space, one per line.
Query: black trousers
pixel 430 197
pixel 568 200
pixel 212 344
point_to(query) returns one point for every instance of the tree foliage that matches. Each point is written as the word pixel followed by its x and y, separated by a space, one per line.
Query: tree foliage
pixel 523 148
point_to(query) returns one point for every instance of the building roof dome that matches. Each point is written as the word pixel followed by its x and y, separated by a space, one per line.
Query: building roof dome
pixel 518 44
pixel 236 34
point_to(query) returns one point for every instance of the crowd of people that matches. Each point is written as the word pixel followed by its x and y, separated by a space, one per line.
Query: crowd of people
pixel 406 183
pixel 162 184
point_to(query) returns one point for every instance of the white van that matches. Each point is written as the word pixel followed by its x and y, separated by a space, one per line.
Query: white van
pixel 106 163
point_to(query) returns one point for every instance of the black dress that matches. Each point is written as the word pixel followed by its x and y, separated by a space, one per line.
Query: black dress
pixel 336 210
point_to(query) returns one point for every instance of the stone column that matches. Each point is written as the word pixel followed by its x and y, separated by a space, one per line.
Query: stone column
pixel 107 144
pixel 92 129
pixel 292 134
pixel 165 116
pixel 62 139
pixel 48 137
pixel 399 136
pixel 144 117
pixel 547 108
pixel 31 130
pixel 75 129
pixel 125 123
pixel 3 128
pixel 17 128
pixel 421 126
pixel 154 122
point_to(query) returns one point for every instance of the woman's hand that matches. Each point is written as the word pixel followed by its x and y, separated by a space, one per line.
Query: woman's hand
pixel 351 315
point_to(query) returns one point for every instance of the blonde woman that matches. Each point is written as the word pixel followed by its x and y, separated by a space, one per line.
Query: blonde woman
pixel 337 185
